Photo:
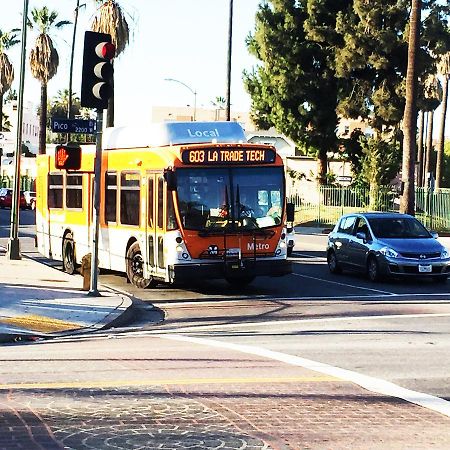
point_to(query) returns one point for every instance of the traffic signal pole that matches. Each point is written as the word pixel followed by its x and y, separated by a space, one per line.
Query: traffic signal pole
pixel 93 291
pixel 96 89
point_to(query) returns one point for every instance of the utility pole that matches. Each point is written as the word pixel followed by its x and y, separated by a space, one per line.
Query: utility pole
pixel 230 41
pixel 14 243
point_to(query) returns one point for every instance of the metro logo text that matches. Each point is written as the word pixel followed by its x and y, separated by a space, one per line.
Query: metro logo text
pixel 228 156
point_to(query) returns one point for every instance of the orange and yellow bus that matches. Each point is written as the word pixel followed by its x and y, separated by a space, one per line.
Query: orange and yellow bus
pixel 179 201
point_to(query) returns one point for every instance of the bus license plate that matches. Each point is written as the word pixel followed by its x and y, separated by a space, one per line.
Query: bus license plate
pixel 425 268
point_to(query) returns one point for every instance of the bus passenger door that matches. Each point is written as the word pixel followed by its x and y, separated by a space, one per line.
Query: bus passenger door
pixel 155 225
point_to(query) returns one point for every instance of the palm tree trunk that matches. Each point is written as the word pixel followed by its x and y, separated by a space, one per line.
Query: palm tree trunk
pixel 429 147
pixel 43 120
pixel 407 202
pixel 322 162
pixel 420 149
pixel 440 149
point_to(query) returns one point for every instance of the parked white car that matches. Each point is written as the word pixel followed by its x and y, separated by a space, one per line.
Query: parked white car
pixel 30 198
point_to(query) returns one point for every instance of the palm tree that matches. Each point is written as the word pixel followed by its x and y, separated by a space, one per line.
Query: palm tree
pixel 444 70
pixel 7 40
pixel 407 202
pixel 44 60
pixel 111 20
pixel 433 95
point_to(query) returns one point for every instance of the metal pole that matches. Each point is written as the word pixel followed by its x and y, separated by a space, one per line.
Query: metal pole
pixel 69 106
pixel 93 291
pixel 14 244
pixel 195 106
pixel 230 40
pixel 192 90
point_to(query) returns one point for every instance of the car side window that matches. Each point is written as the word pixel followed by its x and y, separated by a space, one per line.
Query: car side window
pixel 362 227
pixel 347 224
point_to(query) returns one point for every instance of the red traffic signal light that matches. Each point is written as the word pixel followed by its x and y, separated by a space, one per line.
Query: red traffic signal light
pixel 97 76
pixel 68 157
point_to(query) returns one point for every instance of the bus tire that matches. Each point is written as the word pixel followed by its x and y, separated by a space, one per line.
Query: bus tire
pixel 68 254
pixel 135 268
pixel 240 281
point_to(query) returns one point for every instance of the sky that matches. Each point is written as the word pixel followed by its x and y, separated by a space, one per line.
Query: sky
pixel 178 39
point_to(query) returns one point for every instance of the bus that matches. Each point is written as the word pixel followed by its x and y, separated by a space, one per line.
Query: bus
pixel 179 201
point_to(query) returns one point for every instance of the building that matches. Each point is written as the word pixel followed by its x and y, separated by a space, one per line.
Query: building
pixel 187 113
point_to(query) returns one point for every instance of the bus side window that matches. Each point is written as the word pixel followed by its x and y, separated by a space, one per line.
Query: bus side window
pixel 55 190
pixel 151 193
pixel 74 191
pixel 160 201
pixel 111 197
pixel 130 204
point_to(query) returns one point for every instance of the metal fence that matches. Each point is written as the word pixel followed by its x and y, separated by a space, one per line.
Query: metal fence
pixel 324 205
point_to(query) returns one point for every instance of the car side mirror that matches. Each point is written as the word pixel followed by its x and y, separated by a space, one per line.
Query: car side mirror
pixel 361 235
pixel 434 234
pixel 290 212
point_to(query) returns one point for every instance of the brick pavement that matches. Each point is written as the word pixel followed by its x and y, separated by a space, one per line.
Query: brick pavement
pixel 324 415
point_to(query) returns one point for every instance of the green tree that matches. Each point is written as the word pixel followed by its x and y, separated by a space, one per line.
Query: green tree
pixel 294 88
pixel 44 60
pixel 444 70
pixel 111 20
pixel 380 164
pixel 7 40
pixel 58 107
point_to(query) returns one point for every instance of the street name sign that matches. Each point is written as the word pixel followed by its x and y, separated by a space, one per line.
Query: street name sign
pixel 82 126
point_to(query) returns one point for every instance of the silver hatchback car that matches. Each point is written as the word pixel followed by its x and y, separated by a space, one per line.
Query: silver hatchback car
pixel 386 244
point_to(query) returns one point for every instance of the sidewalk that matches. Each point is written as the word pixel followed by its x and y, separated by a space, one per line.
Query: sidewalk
pixel 39 301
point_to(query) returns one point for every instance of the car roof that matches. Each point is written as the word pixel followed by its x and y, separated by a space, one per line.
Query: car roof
pixel 378 215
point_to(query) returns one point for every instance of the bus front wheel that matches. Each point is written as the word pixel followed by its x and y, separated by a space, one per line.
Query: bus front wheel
pixel 135 268
pixel 68 254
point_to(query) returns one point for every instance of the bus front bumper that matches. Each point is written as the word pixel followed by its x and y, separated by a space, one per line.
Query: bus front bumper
pixel 188 272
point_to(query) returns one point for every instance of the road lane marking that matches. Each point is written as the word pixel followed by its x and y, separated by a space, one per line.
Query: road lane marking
pixel 165 382
pixel 369 383
pixel 295 322
pixel 343 284
pixel 379 299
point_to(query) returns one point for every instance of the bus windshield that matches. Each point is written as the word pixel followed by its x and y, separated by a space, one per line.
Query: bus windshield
pixel 233 198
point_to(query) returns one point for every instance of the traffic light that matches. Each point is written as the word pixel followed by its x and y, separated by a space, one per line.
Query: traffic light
pixel 68 157
pixel 97 76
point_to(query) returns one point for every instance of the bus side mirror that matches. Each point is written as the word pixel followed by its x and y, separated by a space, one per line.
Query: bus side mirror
pixel 290 212
pixel 171 179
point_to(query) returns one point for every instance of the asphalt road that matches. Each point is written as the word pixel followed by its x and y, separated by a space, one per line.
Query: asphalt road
pixel 242 368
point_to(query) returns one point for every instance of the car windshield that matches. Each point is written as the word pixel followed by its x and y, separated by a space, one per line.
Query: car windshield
pixel 230 198
pixel 398 228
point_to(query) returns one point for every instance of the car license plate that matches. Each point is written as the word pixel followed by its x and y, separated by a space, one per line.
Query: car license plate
pixel 425 268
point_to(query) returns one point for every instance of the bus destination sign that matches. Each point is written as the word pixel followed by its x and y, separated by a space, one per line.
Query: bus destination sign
pixel 229 156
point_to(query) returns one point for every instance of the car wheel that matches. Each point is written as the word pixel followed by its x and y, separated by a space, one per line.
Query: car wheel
pixel 68 254
pixel 240 281
pixel 135 268
pixel 333 265
pixel 373 271
pixel 441 279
